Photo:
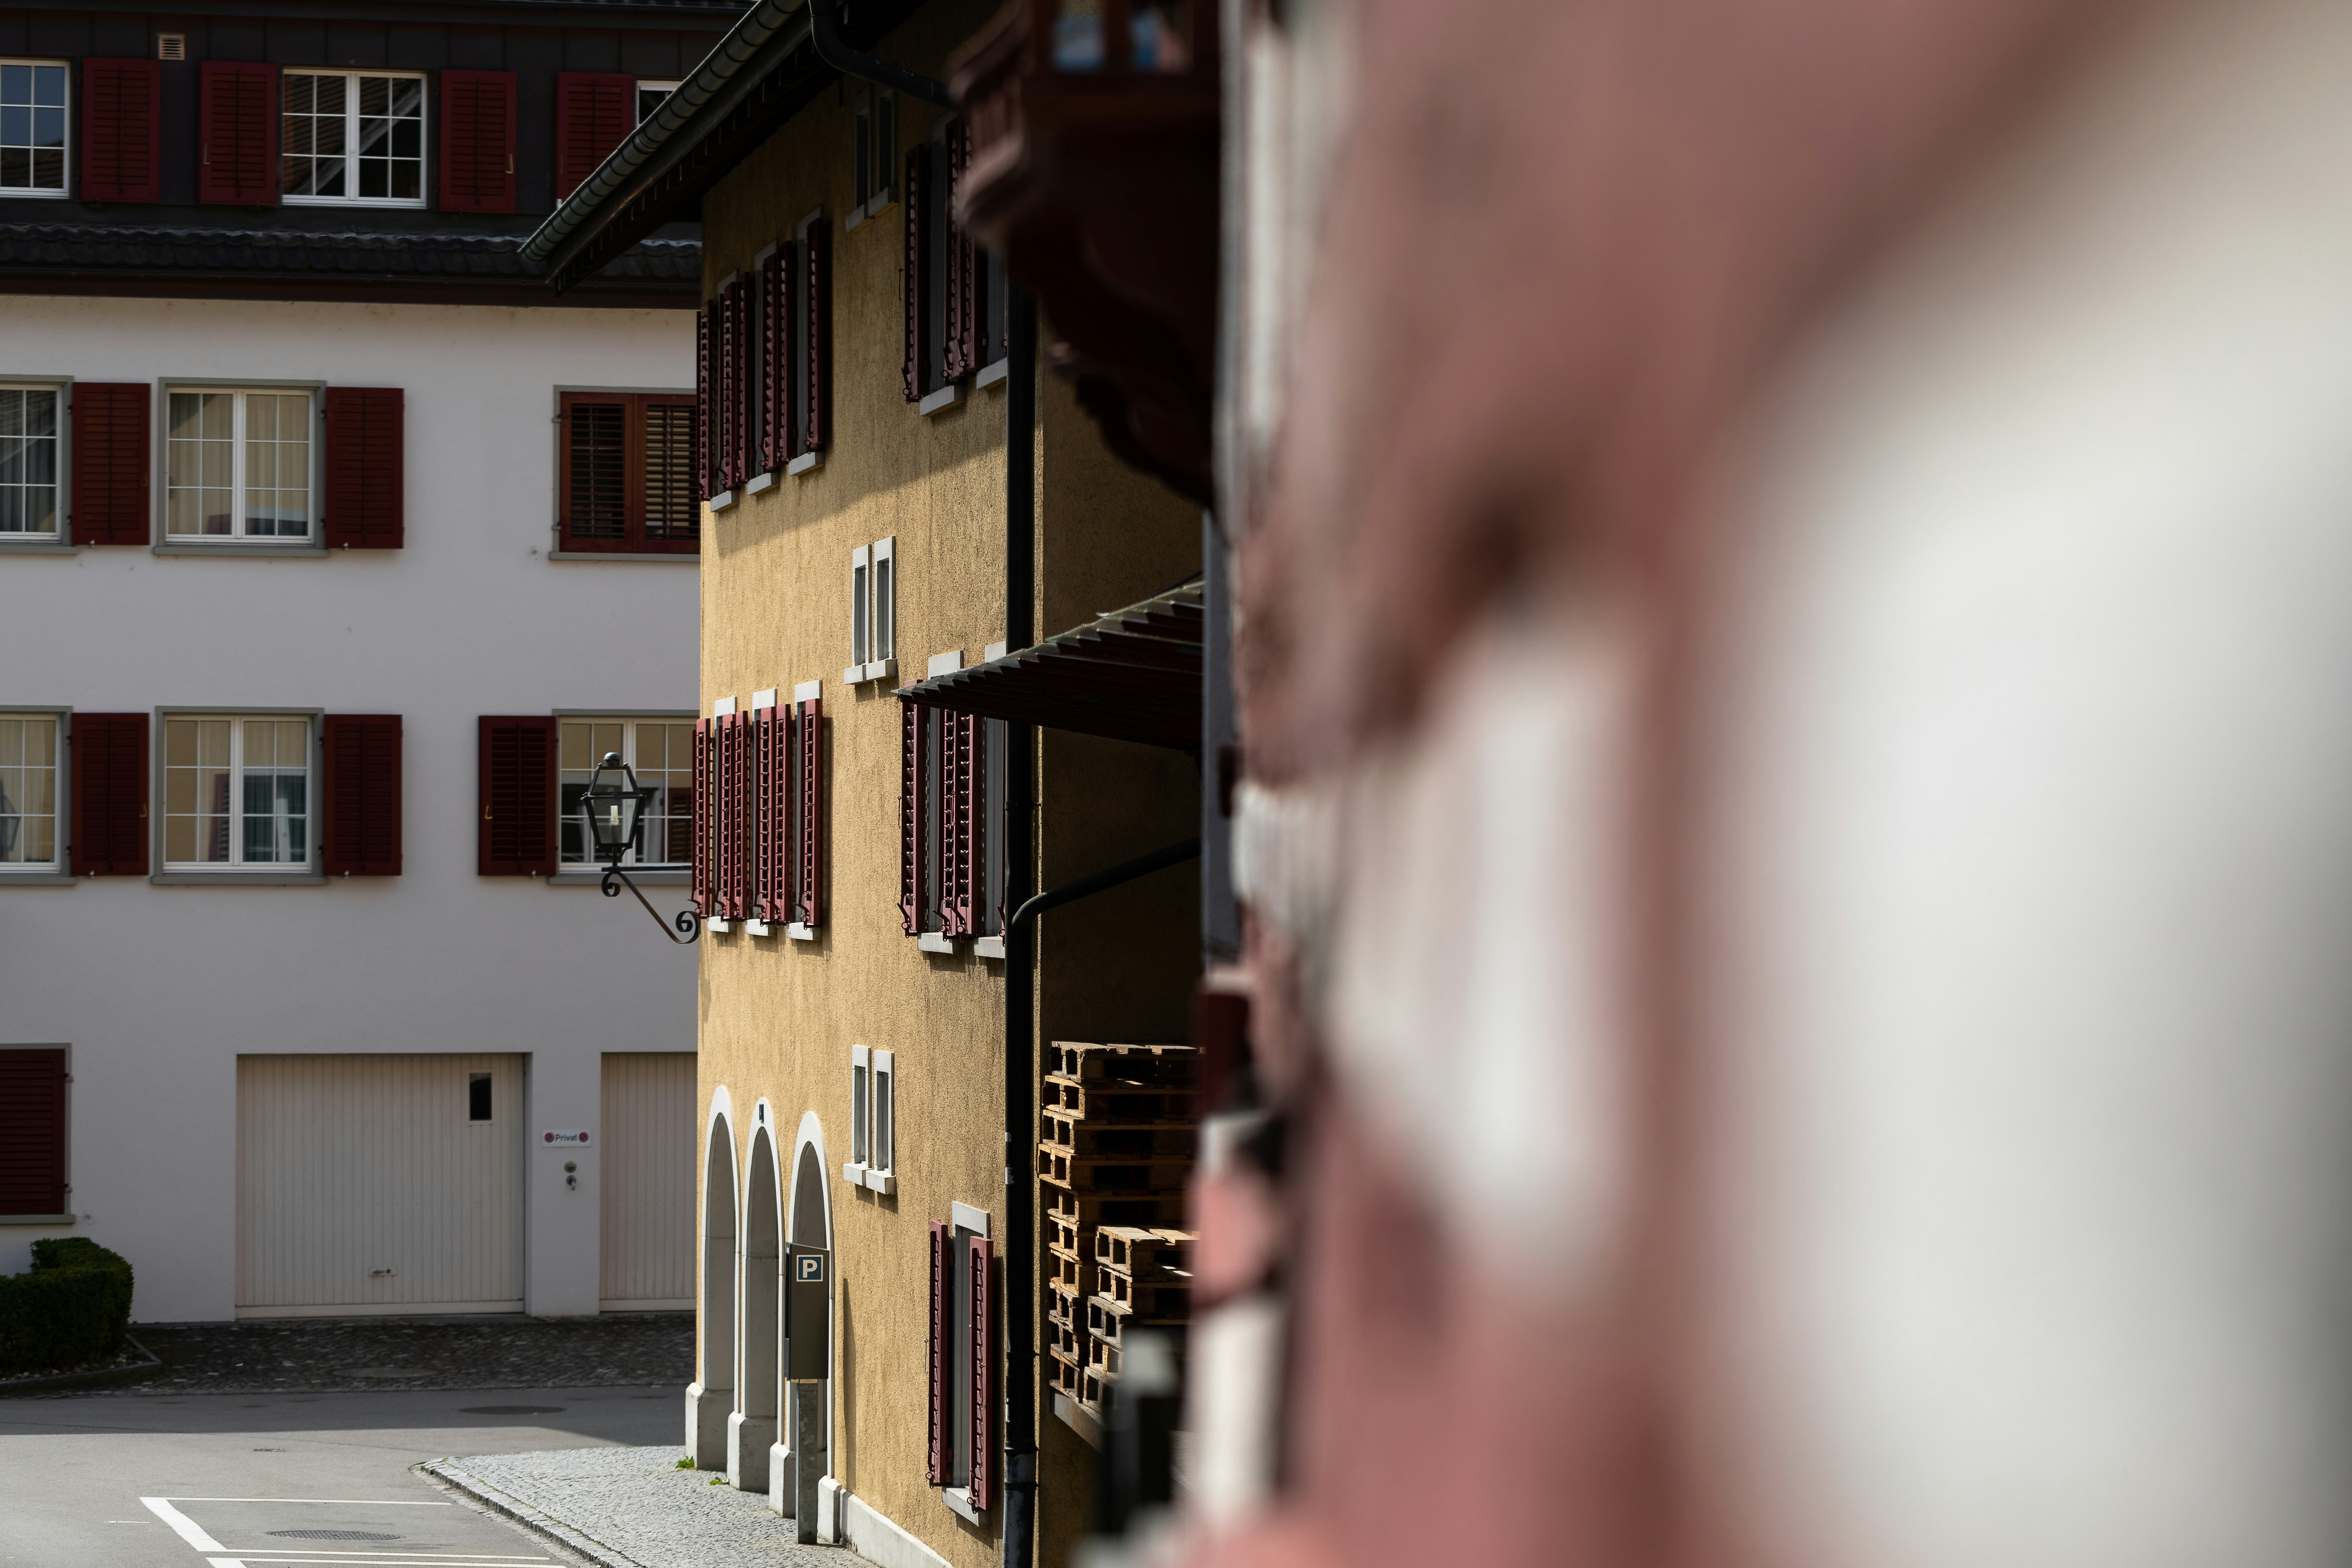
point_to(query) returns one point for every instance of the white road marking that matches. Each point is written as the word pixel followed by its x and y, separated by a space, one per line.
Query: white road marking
pixel 350 1501
pixel 406 1560
pixel 186 1529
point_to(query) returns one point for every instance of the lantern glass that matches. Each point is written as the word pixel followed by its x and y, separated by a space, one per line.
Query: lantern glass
pixel 613 804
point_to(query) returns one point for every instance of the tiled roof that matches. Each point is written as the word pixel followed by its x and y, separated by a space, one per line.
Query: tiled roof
pixel 410 257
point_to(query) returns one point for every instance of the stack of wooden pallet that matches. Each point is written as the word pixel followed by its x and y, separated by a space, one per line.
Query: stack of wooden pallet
pixel 1143 1280
pixel 1116 1142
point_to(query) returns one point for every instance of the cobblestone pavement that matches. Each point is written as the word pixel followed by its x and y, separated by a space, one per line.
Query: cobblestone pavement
pixel 323 1354
pixel 634 1508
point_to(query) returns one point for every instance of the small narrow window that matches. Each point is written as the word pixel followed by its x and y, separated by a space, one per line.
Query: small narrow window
pixel 652 95
pixel 859 604
pixel 880 1150
pixel 858 1067
pixel 874 144
pixel 885 599
pixel 28 793
pixel 29 460
pixel 32 127
pixel 478 1097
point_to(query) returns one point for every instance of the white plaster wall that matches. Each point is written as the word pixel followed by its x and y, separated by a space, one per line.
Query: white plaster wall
pixel 158 989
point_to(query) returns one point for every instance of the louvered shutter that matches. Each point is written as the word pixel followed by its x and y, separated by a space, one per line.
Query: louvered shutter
pixel 770 749
pixel 962 347
pixel 705 347
pixel 911 721
pixel 810 865
pixel 816 331
pixel 366 467
pixel 32 1132
pixel 980 1285
pixel 736 825
pixel 478 141
pixel 121 131
pixel 518 797
pixel 594 112
pixel 703 737
pixel 108 754
pixel 734 470
pixel 942 1325
pixel 360 792
pixel 965 878
pixel 236 134
pixel 671 521
pixel 915 278
pixel 112 448
pixel 950 796
pixel 775 359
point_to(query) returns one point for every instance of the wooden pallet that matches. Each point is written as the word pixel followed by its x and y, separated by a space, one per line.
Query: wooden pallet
pixel 1078 1240
pixel 1068 1271
pixel 1089 1210
pixel 1109 1320
pixel 1168 1298
pixel 1149 1141
pixel 1113 1177
pixel 1120 1100
pixel 1065 1376
pixel 1138 1251
pixel 1173 1065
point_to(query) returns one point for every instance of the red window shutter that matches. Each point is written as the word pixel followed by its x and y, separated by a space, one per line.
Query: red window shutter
pixel 517 787
pixel 816 348
pixel 236 134
pixel 366 467
pixel 32 1131
pixel 771 806
pixel 775 359
pixel 734 467
pixel 705 349
pixel 121 131
pixel 735 821
pixel 980 1281
pixel 915 281
pixel 911 719
pixel 949 836
pixel 108 753
pixel 360 792
pixel 810 864
pixel 112 446
pixel 666 506
pixel 594 112
pixel 962 348
pixel 965 872
pixel 478 141
pixel 702 771
pixel 942 1321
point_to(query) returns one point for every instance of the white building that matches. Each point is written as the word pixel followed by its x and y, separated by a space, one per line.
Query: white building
pixel 292 1013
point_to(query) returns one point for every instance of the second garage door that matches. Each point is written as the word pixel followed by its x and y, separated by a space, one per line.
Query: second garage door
pixel 378 1184
pixel 649 1182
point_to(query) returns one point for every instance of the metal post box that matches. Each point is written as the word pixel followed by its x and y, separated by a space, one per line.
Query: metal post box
pixel 808 1313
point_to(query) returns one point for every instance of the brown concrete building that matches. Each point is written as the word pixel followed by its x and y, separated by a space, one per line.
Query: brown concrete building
pixel 900 503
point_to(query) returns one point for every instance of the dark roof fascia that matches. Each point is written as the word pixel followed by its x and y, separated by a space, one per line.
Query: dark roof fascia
pixel 530 292
pixel 646 163
pixel 630 13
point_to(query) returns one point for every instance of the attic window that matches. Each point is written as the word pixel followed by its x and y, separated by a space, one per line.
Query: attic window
pixel 170 45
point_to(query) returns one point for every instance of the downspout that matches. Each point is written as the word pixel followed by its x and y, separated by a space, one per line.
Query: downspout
pixel 825 27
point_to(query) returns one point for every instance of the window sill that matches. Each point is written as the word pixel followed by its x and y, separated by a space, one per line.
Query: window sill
pixel 758 928
pixel 38 547
pixel 716 926
pixel 988 947
pixel 881 669
pixel 853 1173
pixel 947 396
pixel 386 204
pixel 37 880
pixel 239 880
pixel 800 932
pixel 806 463
pixel 933 942
pixel 875 205
pixel 959 1500
pixel 311 552
pixel 642 878
pixel 36 1219
pixel 766 481
pixel 665 557
pixel 721 501
pixel 883 1182
pixel 992 373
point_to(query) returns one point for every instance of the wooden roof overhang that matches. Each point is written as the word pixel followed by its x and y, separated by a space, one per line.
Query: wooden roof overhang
pixel 1131 675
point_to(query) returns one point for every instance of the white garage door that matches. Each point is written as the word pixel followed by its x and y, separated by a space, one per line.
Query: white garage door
pixel 646 1174
pixel 378 1184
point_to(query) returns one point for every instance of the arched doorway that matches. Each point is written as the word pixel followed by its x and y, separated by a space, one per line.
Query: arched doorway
pixel 751 1430
pixel 710 1399
pixel 797 1491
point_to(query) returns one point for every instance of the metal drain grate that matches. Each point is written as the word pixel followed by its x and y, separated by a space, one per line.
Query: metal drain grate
pixel 333 1535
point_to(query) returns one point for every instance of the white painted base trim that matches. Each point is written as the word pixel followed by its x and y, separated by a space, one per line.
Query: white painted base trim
pixel 390 1309
pixel 749 1438
pixel 707 1410
pixel 879 1540
pixel 682 1304
pixel 779 1479
pixel 828 1511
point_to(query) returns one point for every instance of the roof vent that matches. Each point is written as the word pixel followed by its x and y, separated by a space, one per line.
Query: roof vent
pixel 170 45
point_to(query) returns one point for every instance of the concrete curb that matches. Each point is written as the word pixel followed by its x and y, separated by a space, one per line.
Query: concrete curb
pixel 104 1377
pixel 446 1473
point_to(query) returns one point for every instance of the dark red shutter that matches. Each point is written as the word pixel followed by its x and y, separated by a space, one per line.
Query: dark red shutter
pixel 966 875
pixel 366 467
pixel 915 279
pixel 979 1284
pixel 121 131
pixel 706 345
pixel 732 469
pixel 942 1326
pixel 666 506
pixel 110 450
pixel 595 113
pixel 810 864
pixel 735 819
pixel 962 291
pixel 236 134
pixel 32 1132
pixel 478 141
pixel 950 796
pixel 360 790
pixel 911 716
pixel 518 797
pixel 702 771
pixel 817 330
pixel 770 746
pixel 108 754
pixel 775 359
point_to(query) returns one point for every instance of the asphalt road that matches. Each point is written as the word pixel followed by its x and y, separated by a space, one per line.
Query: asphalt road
pixel 234 1473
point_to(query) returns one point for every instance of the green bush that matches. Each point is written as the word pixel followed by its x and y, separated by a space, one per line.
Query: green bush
pixel 72 1308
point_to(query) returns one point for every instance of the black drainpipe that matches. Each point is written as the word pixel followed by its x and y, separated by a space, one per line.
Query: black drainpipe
pixel 825 27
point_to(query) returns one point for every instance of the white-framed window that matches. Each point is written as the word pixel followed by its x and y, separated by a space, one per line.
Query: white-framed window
pixel 873 610
pixel 351 138
pixel 651 95
pixel 33 128
pixel 660 751
pixel 236 790
pixel 29 840
pixel 30 443
pixel 873 1120
pixel 237 463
